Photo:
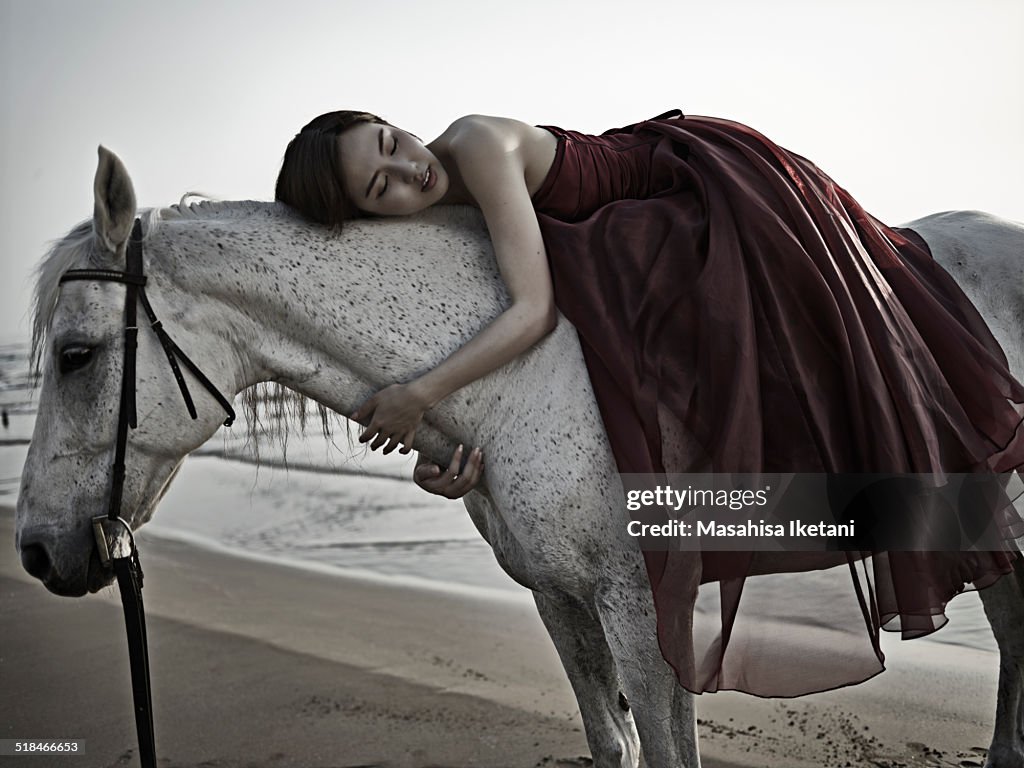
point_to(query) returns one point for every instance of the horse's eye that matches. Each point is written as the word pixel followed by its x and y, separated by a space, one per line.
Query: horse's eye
pixel 74 357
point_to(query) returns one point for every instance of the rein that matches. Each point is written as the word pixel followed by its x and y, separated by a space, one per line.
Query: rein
pixel 126 567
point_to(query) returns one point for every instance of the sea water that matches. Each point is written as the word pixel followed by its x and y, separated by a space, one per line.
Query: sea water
pixel 326 503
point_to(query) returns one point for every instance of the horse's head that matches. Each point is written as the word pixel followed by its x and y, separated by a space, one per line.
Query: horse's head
pixel 79 342
pixel 251 293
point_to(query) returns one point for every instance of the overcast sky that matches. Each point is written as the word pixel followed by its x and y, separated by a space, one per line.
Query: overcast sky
pixel 915 106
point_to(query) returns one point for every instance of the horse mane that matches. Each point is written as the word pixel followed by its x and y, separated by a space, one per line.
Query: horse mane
pixel 269 408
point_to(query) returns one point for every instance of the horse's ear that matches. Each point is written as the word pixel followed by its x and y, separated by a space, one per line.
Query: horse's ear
pixel 114 203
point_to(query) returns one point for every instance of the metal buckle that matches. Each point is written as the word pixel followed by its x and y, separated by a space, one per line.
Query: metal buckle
pixel 110 551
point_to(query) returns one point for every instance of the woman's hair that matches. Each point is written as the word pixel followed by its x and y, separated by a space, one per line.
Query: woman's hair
pixel 310 179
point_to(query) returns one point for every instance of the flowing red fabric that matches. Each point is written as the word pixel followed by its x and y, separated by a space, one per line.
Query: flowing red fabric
pixel 740 312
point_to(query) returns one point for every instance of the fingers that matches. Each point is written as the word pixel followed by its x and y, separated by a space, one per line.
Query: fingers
pixel 407 441
pixel 368 433
pixel 430 477
pixel 456 463
pixel 387 421
pixel 455 481
pixel 390 442
pixel 469 477
pixel 424 472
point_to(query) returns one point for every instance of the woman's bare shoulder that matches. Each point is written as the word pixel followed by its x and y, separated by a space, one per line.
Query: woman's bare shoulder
pixel 487 131
pixel 488 143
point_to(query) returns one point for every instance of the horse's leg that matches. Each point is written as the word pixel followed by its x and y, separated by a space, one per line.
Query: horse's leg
pixel 664 711
pixel 579 639
pixel 1004 607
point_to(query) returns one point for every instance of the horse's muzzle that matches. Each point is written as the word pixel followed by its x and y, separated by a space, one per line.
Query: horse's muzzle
pixel 36 561
pixel 37 547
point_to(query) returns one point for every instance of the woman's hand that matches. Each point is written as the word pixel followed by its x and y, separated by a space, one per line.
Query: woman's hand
pixel 450 483
pixel 393 415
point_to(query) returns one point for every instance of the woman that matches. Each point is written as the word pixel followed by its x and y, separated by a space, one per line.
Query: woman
pixel 737 310
pixel 493 163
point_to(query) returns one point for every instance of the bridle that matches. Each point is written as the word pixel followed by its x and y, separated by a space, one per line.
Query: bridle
pixel 126 566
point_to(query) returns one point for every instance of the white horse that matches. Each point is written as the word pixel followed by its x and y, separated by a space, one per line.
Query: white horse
pixel 253 294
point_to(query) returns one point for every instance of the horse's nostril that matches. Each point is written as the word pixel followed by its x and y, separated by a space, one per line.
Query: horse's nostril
pixel 35 560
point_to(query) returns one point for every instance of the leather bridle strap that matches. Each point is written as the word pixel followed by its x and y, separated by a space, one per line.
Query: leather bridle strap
pixel 135 280
pixel 127 567
pixel 129 584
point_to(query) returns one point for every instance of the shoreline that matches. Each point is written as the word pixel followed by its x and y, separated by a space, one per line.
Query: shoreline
pixel 257 663
pixel 411 582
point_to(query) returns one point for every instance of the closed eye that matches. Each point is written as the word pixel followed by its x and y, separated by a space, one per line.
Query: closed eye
pixel 395 147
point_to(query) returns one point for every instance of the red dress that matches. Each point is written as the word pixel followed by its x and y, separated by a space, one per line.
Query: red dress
pixel 726 289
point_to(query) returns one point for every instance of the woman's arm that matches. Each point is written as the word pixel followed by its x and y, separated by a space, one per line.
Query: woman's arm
pixel 491 163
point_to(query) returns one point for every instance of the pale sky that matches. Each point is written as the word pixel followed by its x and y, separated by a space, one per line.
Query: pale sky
pixel 915 106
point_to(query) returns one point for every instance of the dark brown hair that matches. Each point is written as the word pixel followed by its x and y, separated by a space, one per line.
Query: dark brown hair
pixel 310 180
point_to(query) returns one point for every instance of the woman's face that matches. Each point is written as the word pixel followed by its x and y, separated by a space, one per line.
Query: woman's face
pixel 389 172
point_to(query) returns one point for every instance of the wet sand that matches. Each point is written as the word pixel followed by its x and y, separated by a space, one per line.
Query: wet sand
pixel 259 664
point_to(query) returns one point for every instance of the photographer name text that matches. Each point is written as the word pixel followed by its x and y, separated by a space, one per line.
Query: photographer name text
pixel 709 528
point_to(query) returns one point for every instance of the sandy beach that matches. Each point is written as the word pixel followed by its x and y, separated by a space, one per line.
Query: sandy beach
pixel 261 664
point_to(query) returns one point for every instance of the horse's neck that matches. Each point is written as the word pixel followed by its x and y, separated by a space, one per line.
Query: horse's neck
pixel 338 317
